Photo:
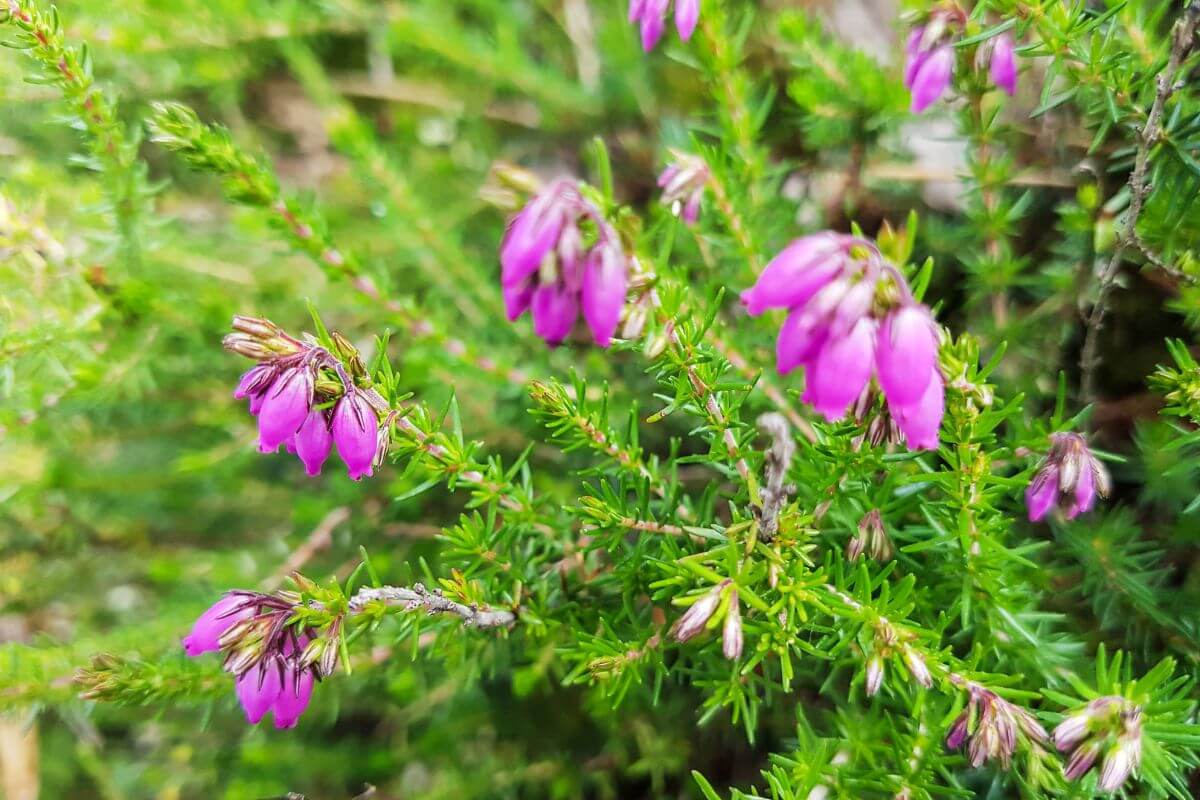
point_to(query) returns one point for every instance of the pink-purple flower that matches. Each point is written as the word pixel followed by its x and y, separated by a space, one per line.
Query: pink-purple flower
pixel 852 317
pixel 1069 478
pixel 930 59
pixel 683 183
pixel 263 651
pixel 651 17
pixel 559 257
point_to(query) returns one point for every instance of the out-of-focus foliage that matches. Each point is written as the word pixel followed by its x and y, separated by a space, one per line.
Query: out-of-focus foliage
pixel 167 164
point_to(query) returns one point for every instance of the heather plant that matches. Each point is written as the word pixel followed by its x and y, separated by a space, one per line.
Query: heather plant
pixel 519 399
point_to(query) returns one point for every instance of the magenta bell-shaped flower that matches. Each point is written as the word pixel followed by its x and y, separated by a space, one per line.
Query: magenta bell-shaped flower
pixel 841 371
pixel 313 441
pixel 799 271
pixel 921 421
pixel 1003 65
pixel 355 430
pixel 1069 478
pixel 931 76
pixel 555 309
pixel 605 282
pixel 275 684
pixel 906 354
pixel 284 407
pixel 852 316
pixel 254 382
pixel 212 624
pixel 517 299
pixel 532 235
pixel 650 16
pixel 687 14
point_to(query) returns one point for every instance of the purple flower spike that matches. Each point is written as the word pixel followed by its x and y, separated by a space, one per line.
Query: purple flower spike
pixel 212 624
pixel 355 433
pixel 687 14
pixel 555 309
pixel 284 407
pixel 841 371
pixel 605 282
pixel 1003 67
pixel 803 268
pixel 314 441
pixel 931 78
pixel 906 353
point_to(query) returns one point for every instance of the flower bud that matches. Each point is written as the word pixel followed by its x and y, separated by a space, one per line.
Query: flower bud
pixel 731 635
pixel 697 616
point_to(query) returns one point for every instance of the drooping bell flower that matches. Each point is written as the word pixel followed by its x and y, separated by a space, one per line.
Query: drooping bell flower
pixel 555 277
pixel 683 184
pixel 1108 727
pixel 650 16
pixel 852 317
pixel 263 650
pixel 931 73
pixel 284 407
pixel 605 283
pixel 355 429
pixel 313 441
pixel 222 615
pixel 1069 478
pixel 1002 63
pixel 254 383
pixel 991 727
pixel 930 56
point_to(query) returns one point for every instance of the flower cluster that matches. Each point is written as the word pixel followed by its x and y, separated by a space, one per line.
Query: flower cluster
pixel 558 256
pixel 651 16
pixel 1107 726
pixel 1069 478
pixel 683 183
pixel 290 391
pixel 852 315
pixel 930 54
pixel 270 658
pixel 992 724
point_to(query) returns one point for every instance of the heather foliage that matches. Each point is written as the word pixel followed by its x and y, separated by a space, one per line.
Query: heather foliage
pixel 579 398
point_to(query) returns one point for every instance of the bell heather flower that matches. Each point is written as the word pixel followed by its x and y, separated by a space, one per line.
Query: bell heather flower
pixel 874 675
pixel 683 184
pixel 930 59
pixel 1069 478
pixel 852 316
pixel 284 407
pixel 650 15
pixel 928 70
pixel 1110 726
pixel 284 395
pixel 548 269
pixel 1002 62
pixel 355 432
pixel 992 726
pixel 697 616
pixel 262 650
pixel 313 441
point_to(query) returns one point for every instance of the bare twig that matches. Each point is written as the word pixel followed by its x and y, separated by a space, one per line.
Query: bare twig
pixel 434 602
pixel 1184 35
pixel 775 491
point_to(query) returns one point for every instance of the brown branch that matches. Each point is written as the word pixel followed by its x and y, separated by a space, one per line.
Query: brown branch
pixel 434 602
pixel 1184 34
